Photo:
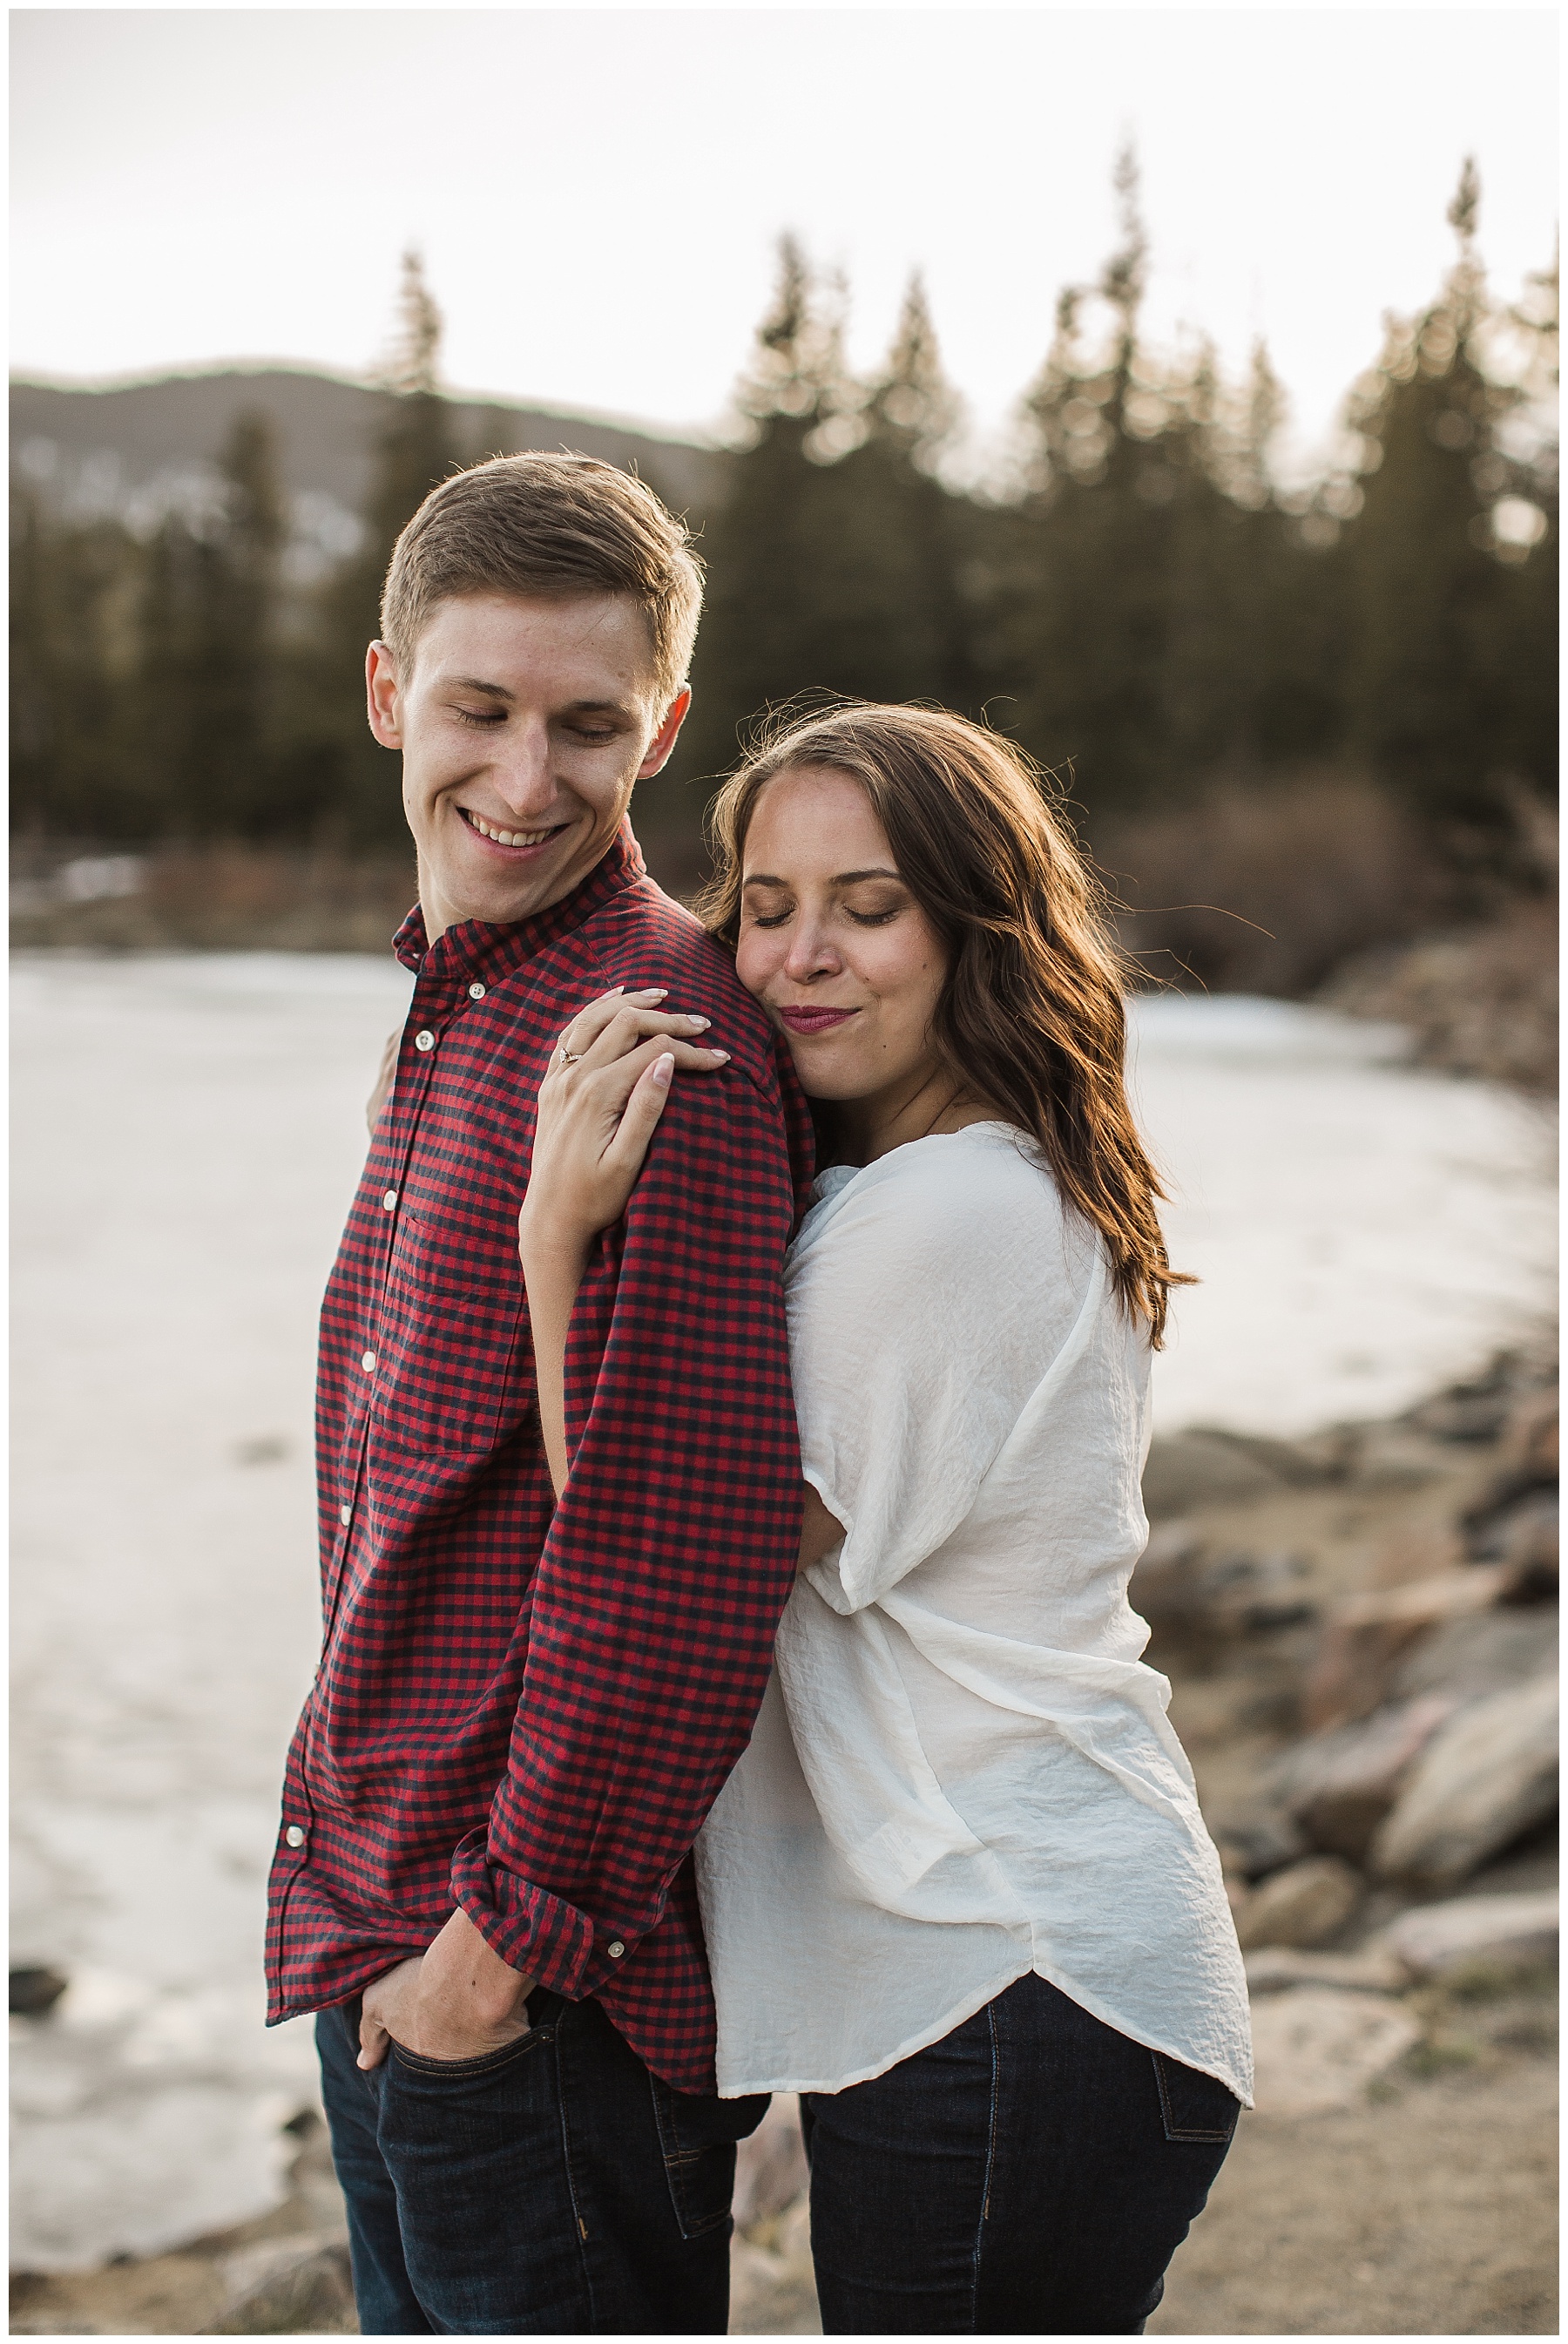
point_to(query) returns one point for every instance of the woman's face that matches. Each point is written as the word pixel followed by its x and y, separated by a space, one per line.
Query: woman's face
pixel 831 941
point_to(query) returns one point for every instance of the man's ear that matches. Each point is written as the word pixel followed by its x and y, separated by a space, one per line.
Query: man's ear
pixel 664 740
pixel 381 700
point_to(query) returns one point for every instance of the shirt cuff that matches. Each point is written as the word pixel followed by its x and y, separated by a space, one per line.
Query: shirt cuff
pixel 539 1934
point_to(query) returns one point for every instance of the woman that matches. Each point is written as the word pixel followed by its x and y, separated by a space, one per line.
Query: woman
pixel 957 1891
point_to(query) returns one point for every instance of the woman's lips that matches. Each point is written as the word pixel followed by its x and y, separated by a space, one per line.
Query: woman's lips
pixel 814 1021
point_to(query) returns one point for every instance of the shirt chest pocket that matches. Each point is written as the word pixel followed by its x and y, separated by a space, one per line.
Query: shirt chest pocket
pixel 454 1374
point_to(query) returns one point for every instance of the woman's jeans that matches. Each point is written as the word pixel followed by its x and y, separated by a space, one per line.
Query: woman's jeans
pixel 553 2187
pixel 1031 2174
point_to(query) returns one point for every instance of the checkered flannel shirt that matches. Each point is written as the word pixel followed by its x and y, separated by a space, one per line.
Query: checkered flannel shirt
pixel 521 1708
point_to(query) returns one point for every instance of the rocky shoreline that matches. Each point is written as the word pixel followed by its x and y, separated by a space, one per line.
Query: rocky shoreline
pixel 1360 1629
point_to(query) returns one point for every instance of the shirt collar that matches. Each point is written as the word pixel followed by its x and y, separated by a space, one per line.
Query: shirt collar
pixel 492 949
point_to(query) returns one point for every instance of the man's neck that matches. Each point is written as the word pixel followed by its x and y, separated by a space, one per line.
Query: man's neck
pixel 438 914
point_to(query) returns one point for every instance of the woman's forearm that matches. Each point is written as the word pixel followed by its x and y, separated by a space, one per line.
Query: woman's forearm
pixel 553 1266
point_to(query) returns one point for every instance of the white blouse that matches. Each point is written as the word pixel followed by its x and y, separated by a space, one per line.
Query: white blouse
pixel 961 1770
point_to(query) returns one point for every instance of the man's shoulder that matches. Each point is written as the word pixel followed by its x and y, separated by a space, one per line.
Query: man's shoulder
pixel 644 937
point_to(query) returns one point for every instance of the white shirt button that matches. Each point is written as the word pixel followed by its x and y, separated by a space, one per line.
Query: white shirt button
pixel 390 1201
pixel 345 1515
pixel 368 1362
pixel 294 1837
pixel 424 1039
pixel 475 993
pixel 615 1949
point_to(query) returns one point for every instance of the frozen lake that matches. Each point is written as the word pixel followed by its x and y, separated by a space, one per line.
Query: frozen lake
pixel 187 1133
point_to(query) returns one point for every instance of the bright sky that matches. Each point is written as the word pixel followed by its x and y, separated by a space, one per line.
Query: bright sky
pixel 598 191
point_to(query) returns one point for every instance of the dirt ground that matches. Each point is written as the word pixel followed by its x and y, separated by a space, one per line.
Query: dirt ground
pixel 1431 2209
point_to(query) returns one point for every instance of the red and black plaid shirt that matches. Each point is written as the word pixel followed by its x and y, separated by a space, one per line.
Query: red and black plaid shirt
pixel 522 1708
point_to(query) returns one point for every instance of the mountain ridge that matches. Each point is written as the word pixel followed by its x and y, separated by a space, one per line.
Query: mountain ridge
pixel 137 449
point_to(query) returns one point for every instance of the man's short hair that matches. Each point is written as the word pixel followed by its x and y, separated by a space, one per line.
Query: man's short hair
pixel 558 526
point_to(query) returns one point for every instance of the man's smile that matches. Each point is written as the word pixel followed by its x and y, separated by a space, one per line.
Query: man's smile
pixel 511 841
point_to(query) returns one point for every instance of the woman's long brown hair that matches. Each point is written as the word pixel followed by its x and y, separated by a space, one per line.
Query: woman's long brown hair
pixel 1030 1020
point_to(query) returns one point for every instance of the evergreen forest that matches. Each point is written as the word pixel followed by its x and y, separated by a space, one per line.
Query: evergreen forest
pixel 1189 647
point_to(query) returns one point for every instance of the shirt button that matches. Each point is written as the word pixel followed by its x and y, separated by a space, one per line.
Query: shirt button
pixel 390 1201
pixel 345 1515
pixel 615 1949
pixel 294 1837
pixel 368 1362
pixel 475 993
pixel 424 1039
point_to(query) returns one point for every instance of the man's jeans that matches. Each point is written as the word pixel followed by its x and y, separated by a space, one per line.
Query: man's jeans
pixel 1031 2174
pixel 555 2187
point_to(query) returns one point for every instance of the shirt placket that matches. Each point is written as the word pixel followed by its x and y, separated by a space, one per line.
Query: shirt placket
pixel 440 993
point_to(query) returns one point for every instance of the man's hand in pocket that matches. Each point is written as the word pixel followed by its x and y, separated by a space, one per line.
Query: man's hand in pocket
pixel 458 2001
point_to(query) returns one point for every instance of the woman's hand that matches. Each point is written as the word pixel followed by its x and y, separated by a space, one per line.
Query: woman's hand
pixel 599 1106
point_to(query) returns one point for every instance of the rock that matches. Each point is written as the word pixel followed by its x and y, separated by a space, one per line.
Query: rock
pixel 1206 1467
pixel 1522 1541
pixel 1301 1905
pixel 1255 1841
pixel 1393 1456
pixel 299 2286
pixel 770 2170
pixel 772 2287
pixel 1529 1455
pixel 1247 1594
pixel 1339 1786
pixel 1419 1602
pixel 1468 1658
pixel 1419 1579
pixel 1530 1442
pixel 1318 2047
pixel 1162 1584
pixel 1486 1776
pixel 1474 1935
pixel 34 1991
pixel 1176 1585
pixel 1353 1669
pixel 1375 1970
pixel 1463 1414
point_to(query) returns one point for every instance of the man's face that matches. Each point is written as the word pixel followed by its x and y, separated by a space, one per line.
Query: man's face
pixel 523 726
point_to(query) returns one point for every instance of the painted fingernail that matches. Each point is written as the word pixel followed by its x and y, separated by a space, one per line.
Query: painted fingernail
pixel 649 993
pixel 663 1068
pixel 718 1054
pixel 700 1023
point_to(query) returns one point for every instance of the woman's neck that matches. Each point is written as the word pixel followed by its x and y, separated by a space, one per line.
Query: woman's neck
pixel 917 1108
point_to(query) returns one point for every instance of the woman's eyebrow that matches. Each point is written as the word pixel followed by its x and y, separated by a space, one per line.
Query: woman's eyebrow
pixel 839 878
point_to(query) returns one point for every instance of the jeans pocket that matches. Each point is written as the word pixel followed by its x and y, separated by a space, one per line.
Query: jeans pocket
pixel 697 2135
pixel 462 2071
pixel 1194 2106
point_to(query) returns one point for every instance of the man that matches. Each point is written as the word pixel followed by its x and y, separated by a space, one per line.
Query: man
pixel 523 1712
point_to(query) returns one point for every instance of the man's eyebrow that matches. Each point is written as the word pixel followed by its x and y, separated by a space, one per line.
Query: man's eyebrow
pixel 839 878
pixel 477 683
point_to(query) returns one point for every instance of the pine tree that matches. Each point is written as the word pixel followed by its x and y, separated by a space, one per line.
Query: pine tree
pixel 1434 674
pixel 832 563
pixel 767 547
pixel 335 760
pixel 1114 640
